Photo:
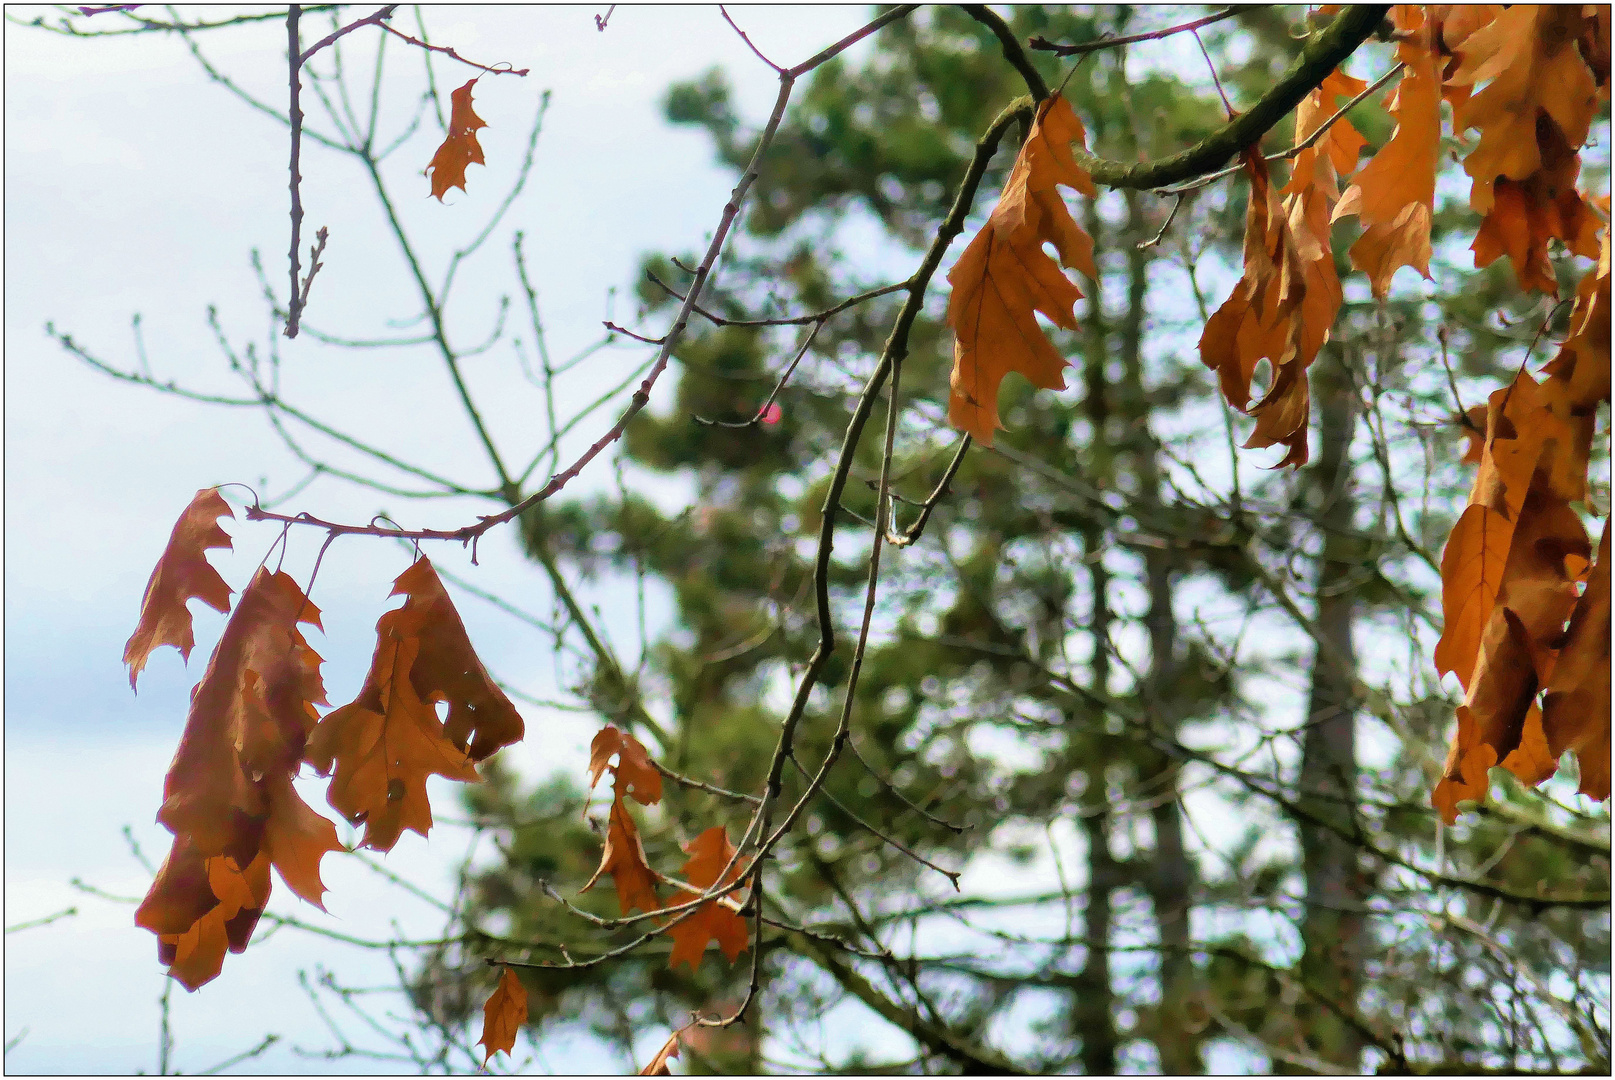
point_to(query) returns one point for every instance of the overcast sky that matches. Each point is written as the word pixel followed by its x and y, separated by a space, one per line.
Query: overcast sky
pixel 136 185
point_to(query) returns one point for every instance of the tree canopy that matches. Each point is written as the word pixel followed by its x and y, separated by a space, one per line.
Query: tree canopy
pixel 1015 730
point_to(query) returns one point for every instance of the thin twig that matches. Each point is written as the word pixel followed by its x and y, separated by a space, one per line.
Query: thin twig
pixel 914 531
pixel 755 50
pixel 762 410
pixel 1043 44
pixel 369 20
pixel 446 51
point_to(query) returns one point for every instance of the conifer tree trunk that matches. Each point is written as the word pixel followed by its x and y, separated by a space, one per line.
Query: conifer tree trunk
pixel 1093 1017
pixel 1171 877
pixel 1333 929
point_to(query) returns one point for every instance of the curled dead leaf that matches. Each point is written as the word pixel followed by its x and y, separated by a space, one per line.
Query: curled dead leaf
pixel 182 574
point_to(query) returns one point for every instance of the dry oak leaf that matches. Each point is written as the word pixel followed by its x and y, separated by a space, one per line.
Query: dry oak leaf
pixel 658 1065
pixel 1341 144
pixel 503 1015
pixel 1529 53
pixel 1526 214
pixel 633 775
pixel 1273 314
pixel 230 780
pixel 1004 276
pixel 182 573
pixel 1394 194
pixel 382 746
pixel 1583 362
pixel 1578 379
pixel 624 859
pixel 1451 26
pixel 195 953
pixel 481 719
pixel 1472 424
pixel 1576 705
pixel 709 854
pixel 1518 426
pixel 1517 652
pixel 460 148
pixel 1492 718
pixel 1537 584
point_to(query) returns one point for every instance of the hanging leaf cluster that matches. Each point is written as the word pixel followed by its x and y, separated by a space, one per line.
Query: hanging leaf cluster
pixel 1525 603
pixel 623 856
pixel 229 797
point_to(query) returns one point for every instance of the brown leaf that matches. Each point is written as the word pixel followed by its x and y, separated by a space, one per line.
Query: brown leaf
pixel 460 148
pixel 503 1015
pixel 228 796
pixel 1526 214
pixel 248 720
pixel 1280 312
pixel 658 1065
pixel 1004 276
pixel 196 955
pixel 624 859
pixel 1335 155
pixel 633 775
pixel 384 745
pixel 481 718
pixel 1529 53
pixel 1473 426
pixel 296 839
pixel 1394 194
pixel 182 573
pixel 709 854
pixel 1493 715
pixel 1518 426
pixel 1576 706
pixel 179 894
pixel 1583 362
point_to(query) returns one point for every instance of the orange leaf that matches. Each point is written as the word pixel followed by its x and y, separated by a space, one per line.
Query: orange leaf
pixel 1537 585
pixel 195 955
pixel 1004 276
pixel 709 854
pixel 633 775
pixel 181 574
pixel 1575 708
pixel 1526 214
pixel 384 745
pixel 1474 430
pixel 1394 194
pixel 1583 363
pixel 1471 571
pixel 1280 311
pixel 1516 653
pixel 296 839
pixel 1518 427
pixel 481 718
pixel 248 720
pixel 1340 145
pixel 658 1065
pixel 624 859
pixel 460 148
pixel 1529 53
pixel 503 1015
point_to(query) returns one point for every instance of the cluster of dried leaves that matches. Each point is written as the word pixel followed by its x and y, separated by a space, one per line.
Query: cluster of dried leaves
pixel 229 799
pixel 1524 613
pixel 712 857
pixel 230 802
